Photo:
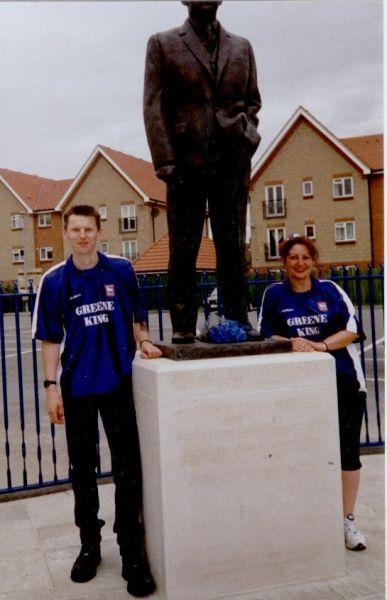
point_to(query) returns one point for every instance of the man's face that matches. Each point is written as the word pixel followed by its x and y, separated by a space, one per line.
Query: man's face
pixel 82 234
pixel 204 12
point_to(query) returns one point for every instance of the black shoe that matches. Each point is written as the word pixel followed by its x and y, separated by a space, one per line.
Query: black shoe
pixel 183 337
pixel 139 578
pixel 85 566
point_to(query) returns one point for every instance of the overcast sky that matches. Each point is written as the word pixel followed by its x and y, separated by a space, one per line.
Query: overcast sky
pixel 71 73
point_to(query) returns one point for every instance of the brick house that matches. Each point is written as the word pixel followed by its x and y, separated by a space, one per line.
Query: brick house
pixel 130 199
pixel 30 228
pixel 125 190
pixel 310 182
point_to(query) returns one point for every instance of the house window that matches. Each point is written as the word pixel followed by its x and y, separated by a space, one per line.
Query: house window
pixel 274 238
pixel 129 249
pixel 307 189
pixel 46 253
pixel 44 220
pixel 310 231
pixel 343 187
pixel 128 221
pixel 103 213
pixel 18 255
pixel 345 231
pixel 17 221
pixel 274 201
pixel 104 247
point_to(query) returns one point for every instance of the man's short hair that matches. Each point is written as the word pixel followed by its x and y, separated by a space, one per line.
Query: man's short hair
pixel 83 210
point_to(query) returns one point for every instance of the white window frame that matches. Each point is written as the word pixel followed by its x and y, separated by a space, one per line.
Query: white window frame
pixel 343 227
pixel 44 220
pixel 17 221
pixel 129 249
pixel 277 240
pixel 339 184
pixel 128 218
pixel 18 255
pixel 102 212
pixel 104 247
pixel 313 226
pixel 305 192
pixel 46 253
pixel 275 200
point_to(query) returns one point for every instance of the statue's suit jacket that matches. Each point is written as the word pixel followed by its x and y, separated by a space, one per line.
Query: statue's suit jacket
pixel 187 109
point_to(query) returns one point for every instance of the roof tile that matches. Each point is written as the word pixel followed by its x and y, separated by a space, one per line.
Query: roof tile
pixel 39 193
pixel 155 259
pixel 369 148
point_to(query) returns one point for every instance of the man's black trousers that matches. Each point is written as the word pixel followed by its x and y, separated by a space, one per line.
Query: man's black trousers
pixel 119 420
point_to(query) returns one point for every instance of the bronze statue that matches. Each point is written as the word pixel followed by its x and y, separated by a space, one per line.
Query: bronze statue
pixel 200 105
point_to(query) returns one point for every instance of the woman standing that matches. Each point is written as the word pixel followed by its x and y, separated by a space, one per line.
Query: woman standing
pixel 317 315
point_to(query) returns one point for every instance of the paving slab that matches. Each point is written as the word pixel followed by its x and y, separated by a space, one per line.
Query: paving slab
pixel 40 543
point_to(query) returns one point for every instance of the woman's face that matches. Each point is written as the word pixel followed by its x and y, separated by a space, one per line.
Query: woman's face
pixel 299 263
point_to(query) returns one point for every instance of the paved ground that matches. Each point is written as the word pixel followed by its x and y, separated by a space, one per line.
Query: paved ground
pixel 39 543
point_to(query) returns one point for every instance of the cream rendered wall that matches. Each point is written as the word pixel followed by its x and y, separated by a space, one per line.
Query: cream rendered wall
pixel 306 154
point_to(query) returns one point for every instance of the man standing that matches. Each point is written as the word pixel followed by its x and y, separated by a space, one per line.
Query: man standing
pixel 200 104
pixel 88 304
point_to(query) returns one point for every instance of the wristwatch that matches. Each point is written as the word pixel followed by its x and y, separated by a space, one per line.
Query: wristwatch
pixel 48 382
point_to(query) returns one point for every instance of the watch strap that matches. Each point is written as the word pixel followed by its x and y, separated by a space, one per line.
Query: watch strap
pixel 48 382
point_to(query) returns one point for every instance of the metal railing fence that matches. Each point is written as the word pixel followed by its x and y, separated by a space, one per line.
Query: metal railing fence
pixel 33 452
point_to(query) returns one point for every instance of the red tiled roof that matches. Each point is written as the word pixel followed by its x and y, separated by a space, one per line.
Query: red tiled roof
pixel 38 193
pixel 140 171
pixel 369 148
pixel 156 258
pixel 50 193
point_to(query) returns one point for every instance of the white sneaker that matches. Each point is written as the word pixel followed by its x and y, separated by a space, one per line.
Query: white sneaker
pixel 354 540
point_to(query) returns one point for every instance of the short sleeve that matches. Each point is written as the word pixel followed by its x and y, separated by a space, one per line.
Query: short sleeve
pixel 268 319
pixel 47 323
pixel 346 313
pixel 138 300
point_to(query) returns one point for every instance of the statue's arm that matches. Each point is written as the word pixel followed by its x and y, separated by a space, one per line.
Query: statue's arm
pixel 155 112
pixel 253 97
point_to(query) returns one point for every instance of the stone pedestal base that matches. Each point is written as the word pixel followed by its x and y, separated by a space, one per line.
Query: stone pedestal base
pixel 241 470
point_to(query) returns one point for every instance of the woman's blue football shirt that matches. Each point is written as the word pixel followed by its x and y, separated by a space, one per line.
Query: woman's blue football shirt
pixel 316 314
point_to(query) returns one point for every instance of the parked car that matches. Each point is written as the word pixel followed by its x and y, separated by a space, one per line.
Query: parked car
pixel 212 301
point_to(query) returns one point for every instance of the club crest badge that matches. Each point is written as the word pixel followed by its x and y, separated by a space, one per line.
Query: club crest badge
pixel 109 288
pixel 322 306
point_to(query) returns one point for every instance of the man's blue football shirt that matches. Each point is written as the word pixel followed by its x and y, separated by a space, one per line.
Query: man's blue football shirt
pixel 90 313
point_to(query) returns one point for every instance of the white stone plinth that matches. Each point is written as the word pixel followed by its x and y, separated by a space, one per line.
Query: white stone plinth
pixel 242 486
